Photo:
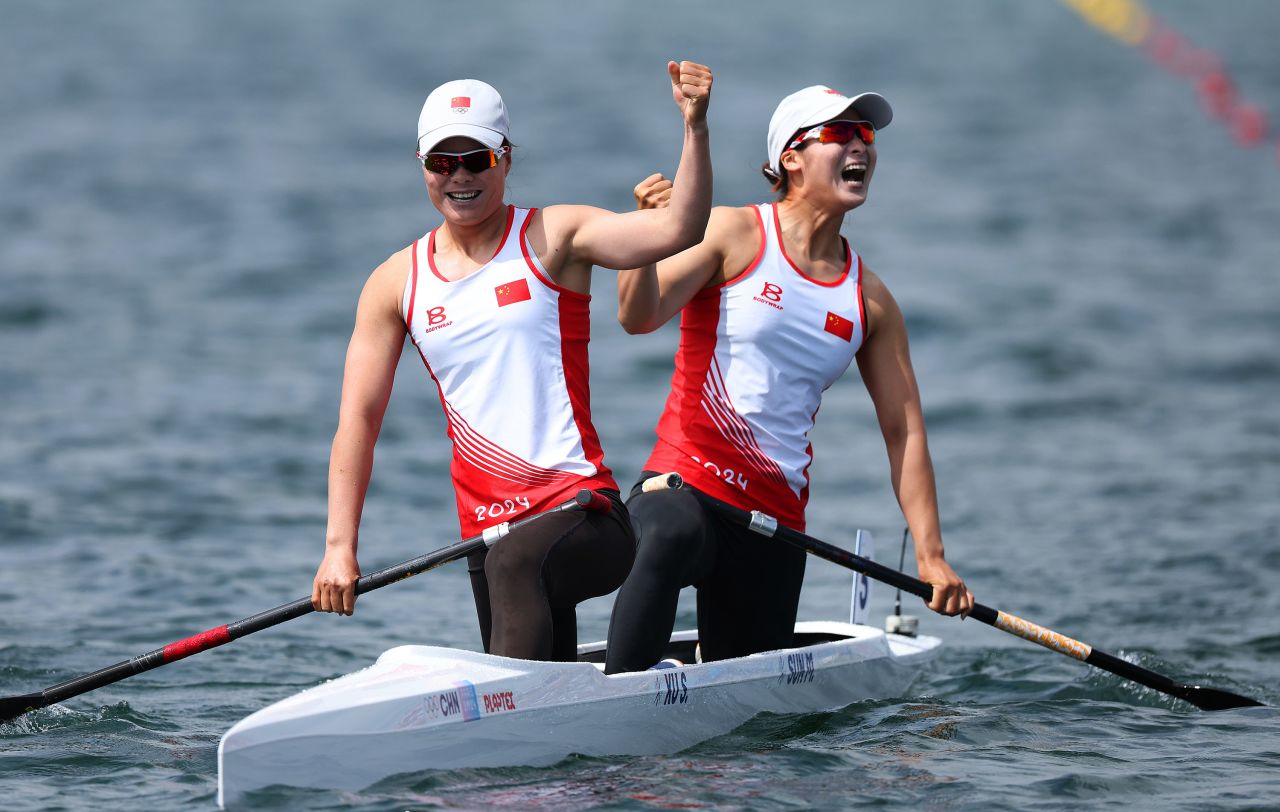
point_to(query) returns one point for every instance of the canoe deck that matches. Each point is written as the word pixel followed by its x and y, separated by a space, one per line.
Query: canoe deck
pixel 426 707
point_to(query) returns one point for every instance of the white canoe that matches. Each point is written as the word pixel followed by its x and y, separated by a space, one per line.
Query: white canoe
pixel 424 707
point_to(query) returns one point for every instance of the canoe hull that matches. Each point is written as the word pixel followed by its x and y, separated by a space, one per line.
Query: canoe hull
pixel 424 707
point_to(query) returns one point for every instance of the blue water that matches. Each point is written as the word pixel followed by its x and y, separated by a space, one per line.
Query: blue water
pixel 194 193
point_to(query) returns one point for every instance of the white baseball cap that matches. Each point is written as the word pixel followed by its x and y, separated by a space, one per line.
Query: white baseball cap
pixel 812 106
pixel 465 107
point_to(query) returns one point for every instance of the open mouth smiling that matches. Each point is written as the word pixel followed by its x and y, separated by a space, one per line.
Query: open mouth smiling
pixel 854 171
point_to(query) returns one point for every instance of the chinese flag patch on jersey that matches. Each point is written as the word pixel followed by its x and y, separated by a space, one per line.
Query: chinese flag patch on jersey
pixel 839 326
pixel 512 292
pixel 461 103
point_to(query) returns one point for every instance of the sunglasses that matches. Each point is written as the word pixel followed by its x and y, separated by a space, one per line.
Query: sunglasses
pixel 837 132
pixel 475 161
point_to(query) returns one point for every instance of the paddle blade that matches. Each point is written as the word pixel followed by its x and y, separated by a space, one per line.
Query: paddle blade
pixel 11 707
pixel 1214 699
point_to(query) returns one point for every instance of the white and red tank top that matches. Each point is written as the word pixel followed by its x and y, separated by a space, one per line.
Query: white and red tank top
pixel 756 353
pixel 507 348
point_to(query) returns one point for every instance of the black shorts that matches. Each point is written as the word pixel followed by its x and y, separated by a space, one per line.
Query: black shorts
pixel 528 585
pixel 748 585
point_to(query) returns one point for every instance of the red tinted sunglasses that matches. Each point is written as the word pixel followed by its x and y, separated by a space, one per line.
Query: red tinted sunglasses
pixel 475 161
pixel 837 132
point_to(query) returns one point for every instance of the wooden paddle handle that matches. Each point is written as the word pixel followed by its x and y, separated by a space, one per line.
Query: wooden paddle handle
pixel 662 482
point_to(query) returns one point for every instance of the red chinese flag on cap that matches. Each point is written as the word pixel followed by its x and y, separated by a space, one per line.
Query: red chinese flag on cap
pixel 460 102
pixel 839 326
pixel 512 292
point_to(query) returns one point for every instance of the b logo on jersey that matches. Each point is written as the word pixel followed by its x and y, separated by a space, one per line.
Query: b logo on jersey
pixel 770 295
pixel 436 319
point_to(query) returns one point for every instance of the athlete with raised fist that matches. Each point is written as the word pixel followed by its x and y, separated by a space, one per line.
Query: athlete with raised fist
pixel 774 306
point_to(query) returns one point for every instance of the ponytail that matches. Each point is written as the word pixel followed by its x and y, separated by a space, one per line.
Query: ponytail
pixel 778 183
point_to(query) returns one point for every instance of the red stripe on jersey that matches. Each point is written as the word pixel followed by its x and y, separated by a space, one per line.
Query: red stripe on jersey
pixel 575 333
pixel 431 255
pixel 862 306
pixel 698 322
pixel 719 407
pixel 463 437
pixel 753 456
pixel 413 288
pixel 493 458
pixel 506 231
pixel 478 487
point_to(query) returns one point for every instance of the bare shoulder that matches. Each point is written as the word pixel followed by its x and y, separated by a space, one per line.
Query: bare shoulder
pixel 564 218
pixel 734 221
pixel 873 287
pixel 734 233
pixel 384 288
pixel 394 270
pixel 555 227
pixel 733 225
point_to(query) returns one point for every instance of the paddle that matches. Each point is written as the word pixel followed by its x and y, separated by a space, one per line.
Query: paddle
pixel 12 707
pixel 766 525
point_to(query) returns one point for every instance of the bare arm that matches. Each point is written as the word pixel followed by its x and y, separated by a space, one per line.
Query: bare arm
pixel 648 297
pixel 372 354
pixel 885 364
pixel 630 239
pixel 639 295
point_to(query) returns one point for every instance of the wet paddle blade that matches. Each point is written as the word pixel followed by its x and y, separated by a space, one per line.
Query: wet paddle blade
pixel 11 707
pixel 1214 699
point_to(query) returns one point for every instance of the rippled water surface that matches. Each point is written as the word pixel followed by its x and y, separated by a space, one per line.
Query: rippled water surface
pixel 193 195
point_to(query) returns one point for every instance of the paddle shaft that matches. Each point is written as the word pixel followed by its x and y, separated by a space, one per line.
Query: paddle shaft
pixel 1201 697
pixel 12 707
